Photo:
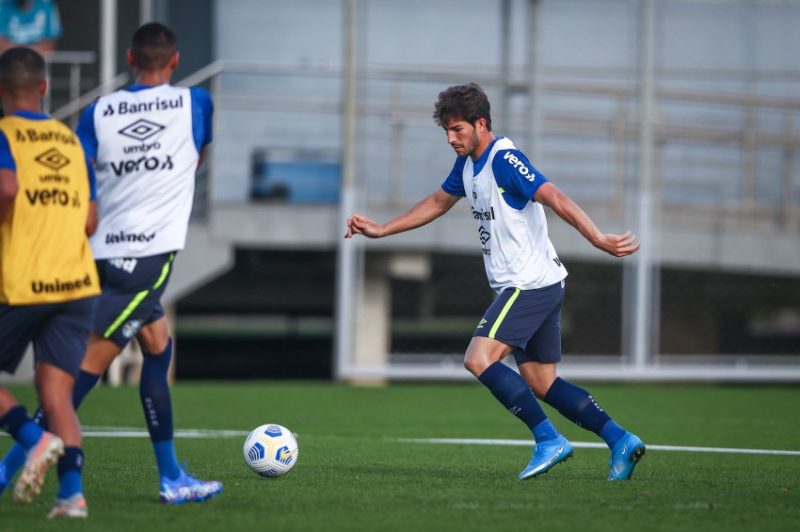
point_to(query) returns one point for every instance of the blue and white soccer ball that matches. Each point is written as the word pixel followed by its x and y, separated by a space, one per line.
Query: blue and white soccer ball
pixel 271 450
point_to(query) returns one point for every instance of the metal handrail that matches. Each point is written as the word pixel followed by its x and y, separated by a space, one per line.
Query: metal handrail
pixel 75 106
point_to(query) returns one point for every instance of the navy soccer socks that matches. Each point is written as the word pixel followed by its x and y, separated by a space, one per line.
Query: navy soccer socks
pixel 514 393
pixel 22 428
pixel 70 466
pixel 577 405
pixel 157 406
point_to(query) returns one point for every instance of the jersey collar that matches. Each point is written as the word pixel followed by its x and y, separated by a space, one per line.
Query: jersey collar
pixel 136 87
pixel 477 166
pixel 30 115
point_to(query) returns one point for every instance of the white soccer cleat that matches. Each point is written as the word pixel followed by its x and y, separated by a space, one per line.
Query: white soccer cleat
pixel 73 507
pixel 40 458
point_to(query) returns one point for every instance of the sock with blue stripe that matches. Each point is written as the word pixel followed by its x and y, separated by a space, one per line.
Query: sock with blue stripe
pixel 15 457
pixel 22 428
pixel 157 406
pixel 577 405
pixel 70 466
pixel 514 393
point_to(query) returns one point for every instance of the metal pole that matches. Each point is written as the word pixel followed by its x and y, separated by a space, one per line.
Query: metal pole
pixel 108 40
pixel 346 249
pixel 534 125
pixel 74 89
pixel 146 11
pixel 644 298
pixel 505 63
pixel 49 91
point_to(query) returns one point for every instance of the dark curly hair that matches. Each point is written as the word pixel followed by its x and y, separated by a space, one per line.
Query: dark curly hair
pixel 463 102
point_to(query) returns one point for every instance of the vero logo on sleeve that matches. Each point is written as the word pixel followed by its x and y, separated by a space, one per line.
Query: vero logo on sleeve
pixel 515 161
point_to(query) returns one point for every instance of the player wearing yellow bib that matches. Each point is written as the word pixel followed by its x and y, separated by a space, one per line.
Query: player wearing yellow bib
pixel 47 276
pixel 144 205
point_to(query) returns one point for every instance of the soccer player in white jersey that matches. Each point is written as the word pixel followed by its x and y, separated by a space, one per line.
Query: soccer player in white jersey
pixel 506 194
pixel 146 142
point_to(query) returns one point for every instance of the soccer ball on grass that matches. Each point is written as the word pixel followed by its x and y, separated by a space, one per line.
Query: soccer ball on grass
pixel 271 450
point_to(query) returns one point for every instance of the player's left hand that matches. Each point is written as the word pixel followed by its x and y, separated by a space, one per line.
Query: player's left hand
pixel 618 245
pixel 361 225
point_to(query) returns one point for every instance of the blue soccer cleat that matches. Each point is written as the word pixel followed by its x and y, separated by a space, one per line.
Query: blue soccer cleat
pixel 186 488
pixel 547 454
pixel 625 454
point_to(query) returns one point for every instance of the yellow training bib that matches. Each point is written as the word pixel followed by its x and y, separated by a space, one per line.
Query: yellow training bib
pixel 44 251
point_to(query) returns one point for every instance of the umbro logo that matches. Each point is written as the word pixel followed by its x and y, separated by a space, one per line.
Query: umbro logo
pixel 52 159
pixel 484 235
pixel 141 130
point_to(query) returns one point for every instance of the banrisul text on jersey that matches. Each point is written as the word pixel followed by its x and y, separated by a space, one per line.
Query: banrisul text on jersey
pixel 146 157
pixel 127 107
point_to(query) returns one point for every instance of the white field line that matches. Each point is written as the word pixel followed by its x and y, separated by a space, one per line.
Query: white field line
pixel 132 432
pixel 593 445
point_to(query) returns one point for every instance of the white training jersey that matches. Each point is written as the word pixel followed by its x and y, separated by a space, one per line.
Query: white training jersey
pixel 146 148
pixel 512 228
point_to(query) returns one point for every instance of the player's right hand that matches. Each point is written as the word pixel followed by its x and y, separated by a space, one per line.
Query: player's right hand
pixel 361 225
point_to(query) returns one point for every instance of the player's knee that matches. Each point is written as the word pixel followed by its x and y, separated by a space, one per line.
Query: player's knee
pixel 540 389
pixel 541 384
pixel 475 364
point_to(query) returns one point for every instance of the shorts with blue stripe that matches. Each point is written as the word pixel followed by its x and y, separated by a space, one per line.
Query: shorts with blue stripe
pixel 527 320
pixel 131 298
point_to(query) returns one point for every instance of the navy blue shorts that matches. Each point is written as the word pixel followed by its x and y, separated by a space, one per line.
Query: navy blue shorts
pixel 59 331
pixel 131 298
pixel 527 320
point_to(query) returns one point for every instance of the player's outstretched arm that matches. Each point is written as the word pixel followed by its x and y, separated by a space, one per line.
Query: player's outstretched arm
pixel 8 191
pixel 420 214
pixel 617 245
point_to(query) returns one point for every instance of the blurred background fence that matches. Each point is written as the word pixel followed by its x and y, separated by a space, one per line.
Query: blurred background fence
pixel 567 83
pixel 677 119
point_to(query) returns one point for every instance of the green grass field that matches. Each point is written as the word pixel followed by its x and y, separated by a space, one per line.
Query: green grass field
pixel 354 474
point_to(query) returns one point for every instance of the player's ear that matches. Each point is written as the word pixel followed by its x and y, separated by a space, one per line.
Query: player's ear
pixel 42 87
pixel 174 59
pixel 129 58
pixel 480 125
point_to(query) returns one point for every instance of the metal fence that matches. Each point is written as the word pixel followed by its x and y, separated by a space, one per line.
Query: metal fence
pixel 713 103
pixel 722 274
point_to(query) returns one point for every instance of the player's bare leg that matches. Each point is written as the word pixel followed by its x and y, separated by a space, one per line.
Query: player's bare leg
pixel 538 376
pixel 100 353
pixel 482 352
pixel 55 394
pixel 154 336
pixel 7 401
